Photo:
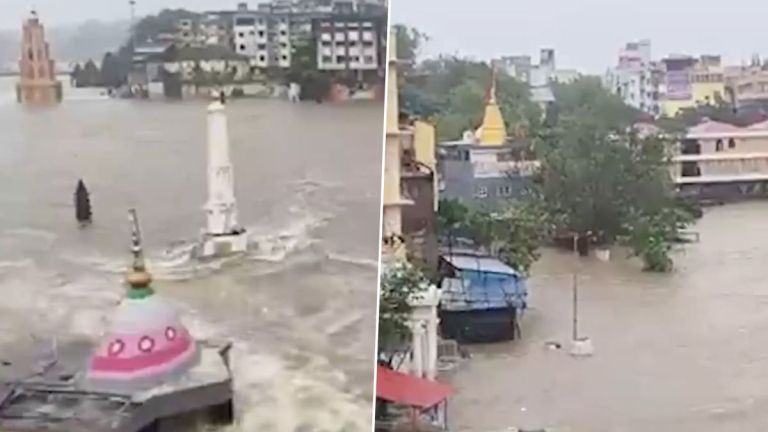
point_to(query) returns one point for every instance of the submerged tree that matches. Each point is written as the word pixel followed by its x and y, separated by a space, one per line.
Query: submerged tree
pixel 513 232
pixel 597 176
pixel 400 282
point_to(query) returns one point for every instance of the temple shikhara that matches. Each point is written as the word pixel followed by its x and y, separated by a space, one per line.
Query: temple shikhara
pixel 492 132
pixel 37 83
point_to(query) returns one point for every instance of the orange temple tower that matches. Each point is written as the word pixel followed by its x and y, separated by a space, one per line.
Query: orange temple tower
pixel 37 84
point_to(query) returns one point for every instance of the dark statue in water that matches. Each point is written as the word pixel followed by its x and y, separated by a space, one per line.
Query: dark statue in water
pixel 82 204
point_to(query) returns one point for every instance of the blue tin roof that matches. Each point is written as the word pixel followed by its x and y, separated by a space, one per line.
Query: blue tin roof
pixel 483 283
pixel 480 264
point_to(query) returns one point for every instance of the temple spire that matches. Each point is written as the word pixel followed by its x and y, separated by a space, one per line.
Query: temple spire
pixel 492 90
pixel 493 131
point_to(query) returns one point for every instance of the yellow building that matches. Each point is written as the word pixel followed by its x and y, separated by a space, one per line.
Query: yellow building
pixel 704 84
pixel 708 80
pixel 493 131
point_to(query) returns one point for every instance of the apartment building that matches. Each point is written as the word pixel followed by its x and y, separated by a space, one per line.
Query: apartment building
pixel 636 78
pixel 347 42
pixel 348 34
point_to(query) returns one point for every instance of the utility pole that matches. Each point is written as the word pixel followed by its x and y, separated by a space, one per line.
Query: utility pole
pixel 575 289
pixel 132 4
pixel 580 346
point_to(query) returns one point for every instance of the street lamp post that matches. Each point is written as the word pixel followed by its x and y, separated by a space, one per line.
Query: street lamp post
pixel 132 4
pixel 580 346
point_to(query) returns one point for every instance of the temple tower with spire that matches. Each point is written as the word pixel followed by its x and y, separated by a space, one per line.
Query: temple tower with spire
pixel 147 342
pixel 222 234
pixel 493 131
pixel 37 84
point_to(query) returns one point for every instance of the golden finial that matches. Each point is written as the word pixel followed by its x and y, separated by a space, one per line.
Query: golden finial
pixel 492 90
pixel 138 277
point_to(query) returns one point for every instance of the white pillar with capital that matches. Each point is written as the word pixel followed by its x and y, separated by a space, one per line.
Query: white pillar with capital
pixel 417 357
pixel 424 316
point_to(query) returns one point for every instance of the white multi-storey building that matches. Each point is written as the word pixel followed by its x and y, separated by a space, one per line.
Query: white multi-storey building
pixel 348 42
pixel 635 78
pixel 265 38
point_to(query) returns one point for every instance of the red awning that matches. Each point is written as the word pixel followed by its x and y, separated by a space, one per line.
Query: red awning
pixel 409 390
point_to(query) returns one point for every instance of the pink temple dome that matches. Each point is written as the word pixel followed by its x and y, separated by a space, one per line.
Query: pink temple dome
pixel 146 340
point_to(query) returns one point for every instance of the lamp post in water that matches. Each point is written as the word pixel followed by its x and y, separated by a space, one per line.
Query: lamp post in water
pixel 580 346
pixel 132 4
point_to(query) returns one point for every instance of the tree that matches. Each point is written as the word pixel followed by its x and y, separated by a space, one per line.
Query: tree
pixel 598 176
pixel 455 92
pixel 410 41
pixel 400 282
pixel 114 69
pixel 314 83
pixel 513 233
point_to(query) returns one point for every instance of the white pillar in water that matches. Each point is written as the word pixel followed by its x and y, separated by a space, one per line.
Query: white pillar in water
pixel 222 234
pixel 221 206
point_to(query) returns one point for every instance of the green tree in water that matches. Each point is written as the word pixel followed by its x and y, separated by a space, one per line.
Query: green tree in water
pixel 400 282
pixel 598 176
pixel 512 233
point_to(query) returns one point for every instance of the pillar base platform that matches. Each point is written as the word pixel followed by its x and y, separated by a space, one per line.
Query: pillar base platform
pixel 222 245
pixel 582 347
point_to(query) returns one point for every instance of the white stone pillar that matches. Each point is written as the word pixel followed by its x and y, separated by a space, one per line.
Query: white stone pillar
pixel 431 339
pixel 221 207
pixel 417 356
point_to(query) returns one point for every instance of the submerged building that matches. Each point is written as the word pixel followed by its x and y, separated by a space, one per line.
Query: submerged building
pixel 722 162
pixel 37 83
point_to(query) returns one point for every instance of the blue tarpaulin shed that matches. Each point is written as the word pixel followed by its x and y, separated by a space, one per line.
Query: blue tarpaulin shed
pixel 482 282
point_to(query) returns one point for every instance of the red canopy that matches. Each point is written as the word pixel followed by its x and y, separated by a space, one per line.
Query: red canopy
pixel 409 390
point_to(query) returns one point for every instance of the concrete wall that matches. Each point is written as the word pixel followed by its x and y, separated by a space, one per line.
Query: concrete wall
pixel 458 181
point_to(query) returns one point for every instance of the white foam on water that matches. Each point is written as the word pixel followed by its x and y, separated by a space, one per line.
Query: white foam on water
pixel 348 259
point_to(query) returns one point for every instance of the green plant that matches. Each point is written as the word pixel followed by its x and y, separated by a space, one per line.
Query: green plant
pixel 400 281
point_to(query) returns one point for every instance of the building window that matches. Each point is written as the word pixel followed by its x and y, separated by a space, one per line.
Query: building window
pixel 283 45
pixel 368 59
pixel 262 58
pixel 327 59
pixel 261 33
pixel 283 33
pixel 242 47
pixel 252 32
pixel 731 143
pixel 241 35
pixel 261 46
pixel 481 192
pixel 719 145
pixel 504 191
pixel 285 57
pixel 341 59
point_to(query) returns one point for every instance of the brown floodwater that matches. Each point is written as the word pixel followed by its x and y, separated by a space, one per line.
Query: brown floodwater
pixel 681 352
pixel 299 308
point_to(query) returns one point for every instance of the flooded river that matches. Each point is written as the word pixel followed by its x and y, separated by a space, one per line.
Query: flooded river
pixel 299 307
pixel 680 352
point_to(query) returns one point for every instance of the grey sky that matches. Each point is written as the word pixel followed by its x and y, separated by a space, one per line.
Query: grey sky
pixel 587 34
pixel 55 12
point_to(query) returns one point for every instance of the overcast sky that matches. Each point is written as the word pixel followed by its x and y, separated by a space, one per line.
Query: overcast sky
pixel 587 34
pixel 55 12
